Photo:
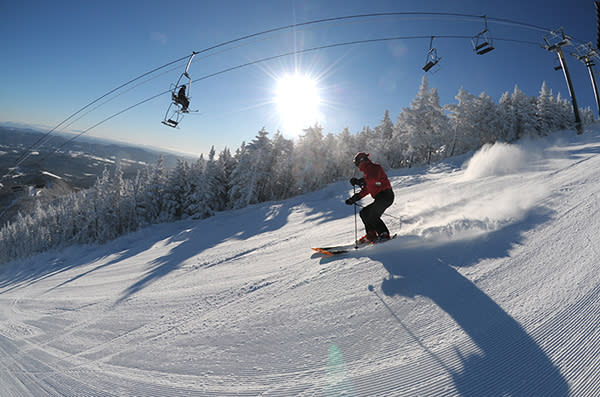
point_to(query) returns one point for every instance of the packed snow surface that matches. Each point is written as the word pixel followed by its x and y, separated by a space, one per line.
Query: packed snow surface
pixel 491 288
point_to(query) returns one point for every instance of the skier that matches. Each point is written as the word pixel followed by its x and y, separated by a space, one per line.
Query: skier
pixel 377 184
pixel 182 99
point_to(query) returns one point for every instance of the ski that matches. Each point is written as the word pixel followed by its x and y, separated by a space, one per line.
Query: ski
pixel 342 249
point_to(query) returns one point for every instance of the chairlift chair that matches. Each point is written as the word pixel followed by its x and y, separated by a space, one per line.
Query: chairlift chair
pixel 482 42
pixel 176 109
pixel 432 58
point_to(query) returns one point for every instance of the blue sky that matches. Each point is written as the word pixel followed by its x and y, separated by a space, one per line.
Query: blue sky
pixel 59 56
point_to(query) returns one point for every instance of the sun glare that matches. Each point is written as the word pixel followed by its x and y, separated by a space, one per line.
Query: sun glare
pixel 297 99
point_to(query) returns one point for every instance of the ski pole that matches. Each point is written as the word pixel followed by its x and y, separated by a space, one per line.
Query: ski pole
pixel 355 221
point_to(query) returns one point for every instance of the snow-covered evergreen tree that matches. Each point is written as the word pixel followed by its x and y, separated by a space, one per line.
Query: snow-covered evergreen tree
pixel 225 165
pixel 153 204
pixel 176 191
pixel 507 114
pixel 400 144
pixel 463 122
pixel 238 197
pixel 260 154
pixel 193 203
pixel 212 187
pixel 312 161
pixel 545 111
pixel 105 217
pixel 425 124
pixel 251 179
pixel 564 112
pixel 282 184
pixel 382 137
pixel 489 124
pixel 524 110
pixel 344 153
pixel 587 116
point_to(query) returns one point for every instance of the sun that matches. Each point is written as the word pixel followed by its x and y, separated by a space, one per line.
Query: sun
pixel 297 98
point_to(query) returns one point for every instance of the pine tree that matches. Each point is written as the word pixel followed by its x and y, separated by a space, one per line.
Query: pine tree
pixel 260 154
pixel 545 111
pixel 425 124
pixel 239 178
pixel 283 177
pixel 564 112
pixel 212 187
pixel 488 117
pixel 176 190
pixel 344 153
pixel 462 122
pixel 253 175
pixel 312 160
pixel 140 185
pixel 194 199
pixel 399 143
pixel 587 116
pixel 155 198
pixel 439 143
pixel 382 137
pixel 524 113
pixel 225 166
pixel 507 116
pixel 104 217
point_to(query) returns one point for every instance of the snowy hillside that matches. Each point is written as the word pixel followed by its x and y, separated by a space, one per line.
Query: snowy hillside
pixel 491 289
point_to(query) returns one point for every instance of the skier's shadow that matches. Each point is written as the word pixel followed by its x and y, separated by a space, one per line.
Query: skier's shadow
pixel 239 225
pixel 510 361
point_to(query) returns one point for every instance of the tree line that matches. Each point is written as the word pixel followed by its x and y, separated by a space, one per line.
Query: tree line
pixel 276 168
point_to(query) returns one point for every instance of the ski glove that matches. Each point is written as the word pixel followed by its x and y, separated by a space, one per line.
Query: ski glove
pixel 358 182
pixel 353 199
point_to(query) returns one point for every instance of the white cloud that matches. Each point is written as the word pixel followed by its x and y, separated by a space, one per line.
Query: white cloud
pixel 159 37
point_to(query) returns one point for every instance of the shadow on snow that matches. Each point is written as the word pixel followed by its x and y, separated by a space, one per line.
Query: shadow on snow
pixel 510 362
pixel 196 237
pixel 240 225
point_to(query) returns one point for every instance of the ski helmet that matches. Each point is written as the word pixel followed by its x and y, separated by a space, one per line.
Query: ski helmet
pixel 360 157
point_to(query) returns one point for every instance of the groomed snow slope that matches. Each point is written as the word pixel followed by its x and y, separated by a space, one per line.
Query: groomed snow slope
pixel 492 288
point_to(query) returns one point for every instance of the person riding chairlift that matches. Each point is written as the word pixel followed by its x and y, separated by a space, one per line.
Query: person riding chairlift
pixel 182 99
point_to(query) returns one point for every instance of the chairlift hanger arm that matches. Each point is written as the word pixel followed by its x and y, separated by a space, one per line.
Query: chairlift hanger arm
pixel 485 24
pixel 187 67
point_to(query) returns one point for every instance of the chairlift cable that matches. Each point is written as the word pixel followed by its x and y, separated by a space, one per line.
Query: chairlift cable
pixel 355 42
pixel 28 153
pixel 266 59
pixel 118 95
pixel 275 57
pixel 103 121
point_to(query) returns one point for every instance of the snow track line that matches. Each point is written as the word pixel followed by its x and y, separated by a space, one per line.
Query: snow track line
pixel 31 367
pixel 583 343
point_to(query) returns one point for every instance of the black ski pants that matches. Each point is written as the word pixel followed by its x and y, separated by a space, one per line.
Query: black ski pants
pixel 371 214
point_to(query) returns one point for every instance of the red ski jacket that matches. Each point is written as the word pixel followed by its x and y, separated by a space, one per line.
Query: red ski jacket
pixel 376 181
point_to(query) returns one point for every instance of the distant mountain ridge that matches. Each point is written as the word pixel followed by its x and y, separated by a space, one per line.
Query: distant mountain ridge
pixel 78 164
